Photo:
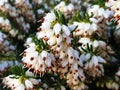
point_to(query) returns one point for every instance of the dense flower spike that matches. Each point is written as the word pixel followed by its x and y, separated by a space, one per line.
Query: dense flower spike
pixel 59 40
pixel 39 62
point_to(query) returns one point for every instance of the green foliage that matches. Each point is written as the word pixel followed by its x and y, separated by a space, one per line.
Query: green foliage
pixel 101 3
pixel 80 17
pixel 60 17
pixel 40 44
pixel 91 50
pixel 53 80
pixel 17 70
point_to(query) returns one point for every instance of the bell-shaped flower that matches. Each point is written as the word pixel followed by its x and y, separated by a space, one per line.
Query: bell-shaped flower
pixel 57 29
pixel 50 17
pixel 28 84
pixel 66 30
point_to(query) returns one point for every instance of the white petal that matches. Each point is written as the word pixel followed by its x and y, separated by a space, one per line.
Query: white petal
pixel 82 58
pixel 57 28
pixel 101 11
pixel 52 40
pixel 86 26
pixel 94 20
pixel 59 39
pixel 34 81
pixel 28 84
pixel 48 61
pixel 44 54
pixel 50 17
pixel 87 56
pixel 45 25
pixel 95 60
pixel 64 62
pixel 84 40
pixel 75 65
pixel 28 73
pixel 62 54
pixel 95 43
pixel 94 26
pixel 101 59
pixel 21 87
pixel 66 30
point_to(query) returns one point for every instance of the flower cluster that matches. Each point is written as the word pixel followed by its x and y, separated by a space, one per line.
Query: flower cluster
pixel 19 16
pixel 115 7
pixel 39 62
pixel 58 37
pixel 72 51
pixel 68 10
pixel 20 82
pixel 7 8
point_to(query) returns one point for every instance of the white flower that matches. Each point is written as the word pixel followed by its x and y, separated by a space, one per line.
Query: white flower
pixel 109 3
pixel 81 74
pixel 96 43
pixel 20 87
pixel 13 83
pixel 20 82
pixel 115 5
pixel 101 60
pixel 28 73
pixel 66 30
pixel 28 84
pixel 70 55
pixel 50 17
pixel 46 25
pixel 94 20
pixel 64 62
pixel 60 6
pixel 59 39
pixel 44 55
pixel 99 13
pixel 52 40
pixel 84 29
pixel 29 42
pixel 57 29
pixel 108 13
pixel 86 26
pixel 84 40
pixel 93 27
pixel 34 81
pixel 94 10
pixel 1 20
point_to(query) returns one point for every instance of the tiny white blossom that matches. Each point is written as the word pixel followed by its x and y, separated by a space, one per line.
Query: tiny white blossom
pixel 66 30
pixel 57 28
pixel 28 84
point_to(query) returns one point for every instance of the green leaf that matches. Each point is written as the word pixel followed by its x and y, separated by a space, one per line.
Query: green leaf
pixel 56 13
pixel 17 70
pixel 60 16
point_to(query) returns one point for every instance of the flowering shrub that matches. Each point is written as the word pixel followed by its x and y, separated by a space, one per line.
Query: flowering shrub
pixel 75 46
